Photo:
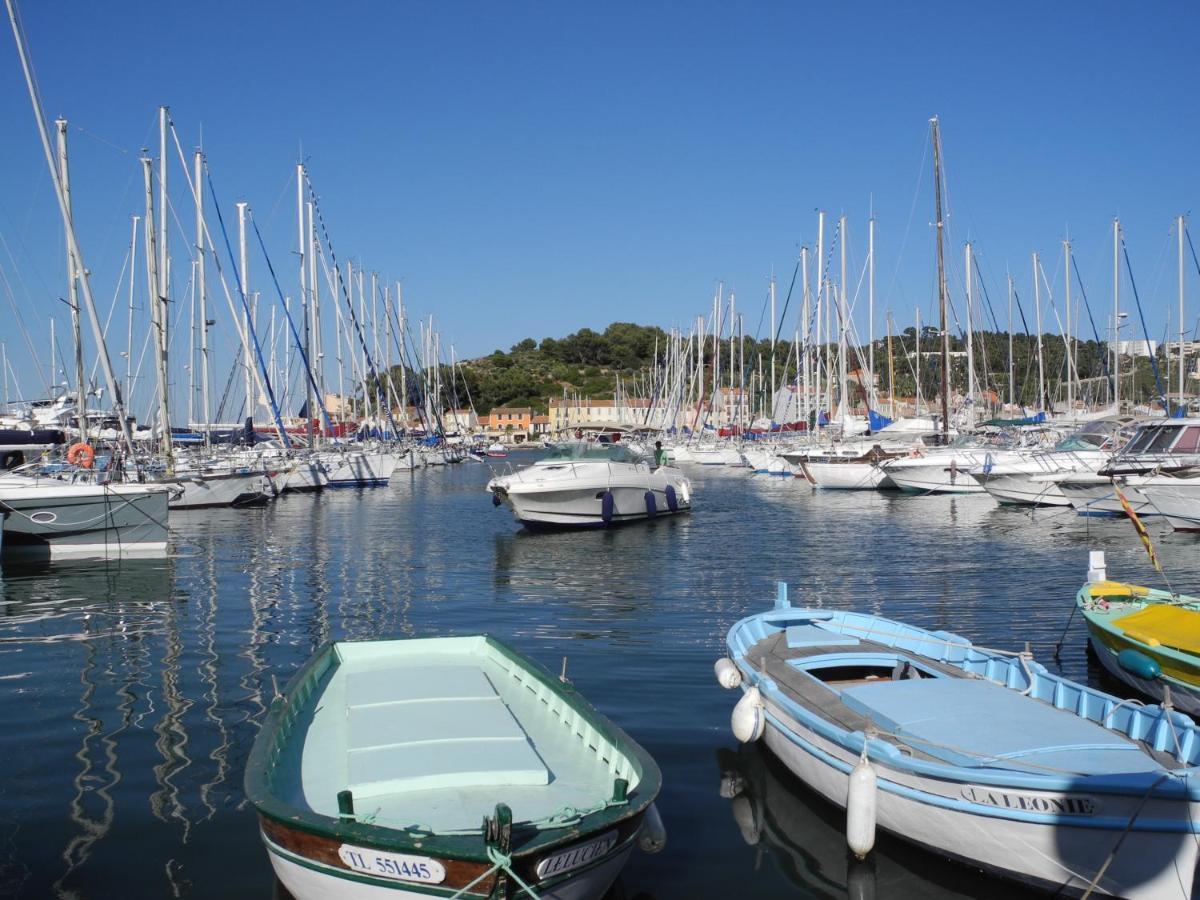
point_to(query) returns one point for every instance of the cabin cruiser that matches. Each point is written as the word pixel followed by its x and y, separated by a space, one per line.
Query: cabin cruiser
pixel 947 470
pixel 1159 447
pixel 1026 481
pixel 586 484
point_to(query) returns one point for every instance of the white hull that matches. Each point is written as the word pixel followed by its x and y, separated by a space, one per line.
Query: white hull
pixel 361 468
pixel 305 475
pixel 204 490
pixel 847 476
pixel 313 881
pixel 938 476
pixel 573 507
pixel 1097 497
pixel 1175 499
pixel 929 812
pixel 1019 489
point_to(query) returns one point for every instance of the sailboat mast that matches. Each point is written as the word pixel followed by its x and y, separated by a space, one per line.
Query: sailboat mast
pixel 129 334
pixel 805 350
pixel 970 341
pixel 158 312
pixel 1037 305
pixel 202 290
pixel 891 371
pixel 1179 228
pixel 246 351
pixel 941 267
pixel 1070 343
pixel 871 308
pixel 1116 342
pixel 1011 368
pixel 843 327
pixel 110 378
pixel 305 304
pixel 73 289
pixel 774 329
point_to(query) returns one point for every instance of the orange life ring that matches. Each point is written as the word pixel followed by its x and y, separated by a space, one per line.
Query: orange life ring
pixel 81 455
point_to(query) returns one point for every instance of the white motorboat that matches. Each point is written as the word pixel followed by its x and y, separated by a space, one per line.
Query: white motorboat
pixel 591 485
pixel 1175 497
pixel 1021 482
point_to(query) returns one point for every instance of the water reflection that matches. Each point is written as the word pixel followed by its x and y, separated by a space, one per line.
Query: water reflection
pixel 131 691
pixel 804 837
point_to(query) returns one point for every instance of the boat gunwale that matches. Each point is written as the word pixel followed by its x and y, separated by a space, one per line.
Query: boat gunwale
pixel 1152 597
pixel 1184 782
pixel 466 847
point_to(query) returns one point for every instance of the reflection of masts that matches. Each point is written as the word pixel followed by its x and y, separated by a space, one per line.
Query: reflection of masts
pixel 209 672
pixel 91 829
pixel 172 736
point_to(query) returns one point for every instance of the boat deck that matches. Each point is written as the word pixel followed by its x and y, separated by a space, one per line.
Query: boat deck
pixel 432 741
pixel 942 714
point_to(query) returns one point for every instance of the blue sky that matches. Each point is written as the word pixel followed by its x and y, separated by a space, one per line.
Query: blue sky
pixel 529 169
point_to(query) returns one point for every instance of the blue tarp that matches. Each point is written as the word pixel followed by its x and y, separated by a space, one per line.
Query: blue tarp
pixel 876 421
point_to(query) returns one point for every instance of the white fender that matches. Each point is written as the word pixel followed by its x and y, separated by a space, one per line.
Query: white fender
pixel 860 808
pixel 728 674
pixel 653 836
pixel 749 719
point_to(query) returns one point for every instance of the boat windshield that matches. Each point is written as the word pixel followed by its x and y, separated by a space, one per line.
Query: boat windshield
pixel 1084 440
pixel 589 451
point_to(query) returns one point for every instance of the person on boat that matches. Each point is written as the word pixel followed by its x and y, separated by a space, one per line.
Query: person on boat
pixel 660 455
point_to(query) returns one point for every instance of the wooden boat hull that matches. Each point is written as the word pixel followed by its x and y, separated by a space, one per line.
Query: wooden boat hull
pixel 1104 613
pixel 372 766
pixel 928 813
pixel 311 868
pixel 976 755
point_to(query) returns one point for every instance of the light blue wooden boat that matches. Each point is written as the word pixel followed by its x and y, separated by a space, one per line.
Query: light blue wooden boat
pixel 376 767
pixel 983 756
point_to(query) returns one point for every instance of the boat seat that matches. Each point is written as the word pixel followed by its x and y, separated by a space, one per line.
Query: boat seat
pixel 476 741
pixel 816 636
pixel 1170 626
pixel 976 723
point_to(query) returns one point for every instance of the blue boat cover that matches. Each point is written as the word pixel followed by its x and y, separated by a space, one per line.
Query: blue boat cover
pixel 970 722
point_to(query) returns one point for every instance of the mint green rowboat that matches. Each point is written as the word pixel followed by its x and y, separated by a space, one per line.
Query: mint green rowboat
pixel 445 767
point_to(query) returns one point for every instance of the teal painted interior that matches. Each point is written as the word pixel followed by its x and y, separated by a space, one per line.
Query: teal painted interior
pixel 429 735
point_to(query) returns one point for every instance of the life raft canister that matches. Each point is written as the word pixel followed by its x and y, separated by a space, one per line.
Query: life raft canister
pixel 81 455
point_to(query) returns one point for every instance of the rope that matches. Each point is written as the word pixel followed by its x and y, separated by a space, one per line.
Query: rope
pixel 500 862
pixel 1120 840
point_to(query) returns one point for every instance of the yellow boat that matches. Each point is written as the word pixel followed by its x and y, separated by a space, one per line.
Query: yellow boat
pixel 1148 639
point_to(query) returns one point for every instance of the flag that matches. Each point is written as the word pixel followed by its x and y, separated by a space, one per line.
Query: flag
pixel 1140 528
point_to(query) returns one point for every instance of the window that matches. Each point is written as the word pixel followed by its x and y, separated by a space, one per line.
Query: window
pixel 1189 441
pixel 1163 439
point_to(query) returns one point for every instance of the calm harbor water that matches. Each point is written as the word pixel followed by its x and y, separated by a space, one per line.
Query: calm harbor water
pixel 130 693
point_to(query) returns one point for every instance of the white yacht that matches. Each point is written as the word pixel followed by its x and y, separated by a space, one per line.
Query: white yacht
pixel 45 518
pixel 591 485
pixel 1027 481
